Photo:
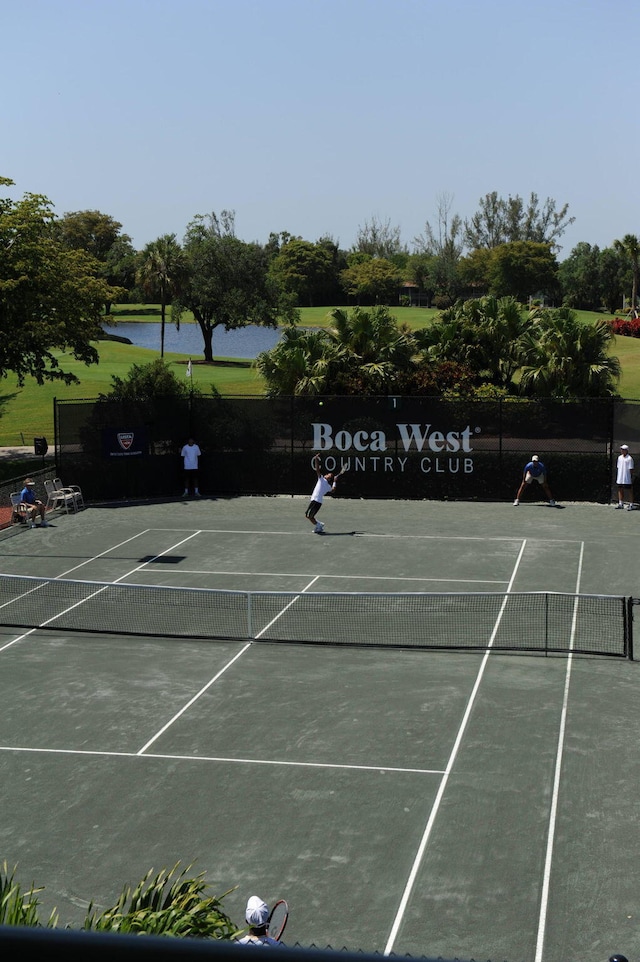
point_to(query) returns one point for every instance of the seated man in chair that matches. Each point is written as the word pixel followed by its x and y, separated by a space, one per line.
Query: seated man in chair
pixel 34 507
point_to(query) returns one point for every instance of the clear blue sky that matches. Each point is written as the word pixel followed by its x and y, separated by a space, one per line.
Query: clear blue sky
pixel 315 116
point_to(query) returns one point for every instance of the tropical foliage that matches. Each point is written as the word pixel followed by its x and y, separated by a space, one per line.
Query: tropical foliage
pixel 170 902
pixel 484 347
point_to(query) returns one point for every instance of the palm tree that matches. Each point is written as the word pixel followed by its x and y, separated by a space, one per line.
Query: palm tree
pixel 160 273
pixel 485 334
pixel 629 246
pixel 370 349
pixel 299 364
pixel 564 358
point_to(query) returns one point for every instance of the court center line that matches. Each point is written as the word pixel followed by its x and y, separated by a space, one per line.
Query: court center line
pixel 220 758
pixel 553 813
pixel 404 901
pixel 215 677
pixel 193 700
pixel 286 607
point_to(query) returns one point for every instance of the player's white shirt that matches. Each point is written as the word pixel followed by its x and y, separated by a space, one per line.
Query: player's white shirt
pixel 322 487
pixel 190 453
pixel 625 467
pixel 258 940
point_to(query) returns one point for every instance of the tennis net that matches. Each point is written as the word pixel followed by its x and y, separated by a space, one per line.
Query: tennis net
pixel 525 621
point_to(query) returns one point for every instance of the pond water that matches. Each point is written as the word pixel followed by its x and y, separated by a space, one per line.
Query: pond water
pixel 246 342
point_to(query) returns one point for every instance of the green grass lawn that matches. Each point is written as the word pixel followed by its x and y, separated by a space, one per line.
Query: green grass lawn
pixel 27 412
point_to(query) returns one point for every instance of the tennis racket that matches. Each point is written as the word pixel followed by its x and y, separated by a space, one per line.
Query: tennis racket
pixel 278 920
pixel 344 467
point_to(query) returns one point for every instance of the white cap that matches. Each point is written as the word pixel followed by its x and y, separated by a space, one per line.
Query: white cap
pixel 257 913
pixel 624 447
pixel 535 458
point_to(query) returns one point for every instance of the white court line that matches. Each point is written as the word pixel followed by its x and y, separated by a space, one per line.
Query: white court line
pixel 404 901
pixel 351 577
pixel 216 676
pixel 218 758
pixel 553 814
pixel 391 537
pixel 286 608
pixel 93 595
pixel 192 700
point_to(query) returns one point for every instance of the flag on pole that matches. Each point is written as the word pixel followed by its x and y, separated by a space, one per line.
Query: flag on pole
pixel 189 368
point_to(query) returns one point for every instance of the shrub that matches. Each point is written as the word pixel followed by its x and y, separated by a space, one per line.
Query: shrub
pixel 625 326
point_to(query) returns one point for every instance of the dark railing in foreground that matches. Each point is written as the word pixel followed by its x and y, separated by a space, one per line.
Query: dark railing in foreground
pixel 535 621
pixel 35 944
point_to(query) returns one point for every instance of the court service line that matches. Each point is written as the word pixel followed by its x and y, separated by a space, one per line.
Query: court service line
pixel 300 574
pixel 218 758
pixel 553 813
pixel 413 874
pixel 373 534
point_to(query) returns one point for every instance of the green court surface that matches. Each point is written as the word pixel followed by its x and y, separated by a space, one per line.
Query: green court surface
pixel 472 804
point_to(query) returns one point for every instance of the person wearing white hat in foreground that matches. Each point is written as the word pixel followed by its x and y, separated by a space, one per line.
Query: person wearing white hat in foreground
pixel 257 916
pixel 534 470
pixel 624 478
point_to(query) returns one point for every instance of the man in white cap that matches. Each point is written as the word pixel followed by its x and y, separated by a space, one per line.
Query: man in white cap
pixel 534 470
pixel 257 916
pixel 624 478
pixel 33 507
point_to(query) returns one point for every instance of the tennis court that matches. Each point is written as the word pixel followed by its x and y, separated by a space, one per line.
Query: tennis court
pixel 469 803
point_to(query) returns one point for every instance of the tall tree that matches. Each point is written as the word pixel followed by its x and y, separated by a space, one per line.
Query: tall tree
pixel 374 280
pixel 379 239
pixel 227 282
pixel 304 269
pixel 161 272
pixel 444 243
pixel 629 247
pixel 522 269
pixel 50 296
pixel 99 235
pixel 499 221
pixel 579 277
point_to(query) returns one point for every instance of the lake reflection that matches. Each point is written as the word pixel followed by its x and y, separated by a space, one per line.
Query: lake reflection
pixel 246 342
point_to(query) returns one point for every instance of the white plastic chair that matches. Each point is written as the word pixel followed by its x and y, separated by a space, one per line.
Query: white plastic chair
pixel 58 499
pixel 18 509
pixel 73 490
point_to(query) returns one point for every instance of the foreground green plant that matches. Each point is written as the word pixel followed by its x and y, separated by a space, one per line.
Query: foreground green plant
pixel 170 903
pixel 16 907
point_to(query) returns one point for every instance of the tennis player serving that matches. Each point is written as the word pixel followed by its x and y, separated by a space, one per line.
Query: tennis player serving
pixel 326 484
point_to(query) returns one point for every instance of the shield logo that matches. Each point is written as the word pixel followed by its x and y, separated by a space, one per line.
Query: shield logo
pixel 125 439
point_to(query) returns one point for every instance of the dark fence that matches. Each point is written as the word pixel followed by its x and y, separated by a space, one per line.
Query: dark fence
pixel 395 447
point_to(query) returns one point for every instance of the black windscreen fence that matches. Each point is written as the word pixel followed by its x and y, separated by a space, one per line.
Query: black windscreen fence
pixel 394 447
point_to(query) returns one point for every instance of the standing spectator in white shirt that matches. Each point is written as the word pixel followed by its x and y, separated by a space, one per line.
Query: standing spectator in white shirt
pixel 190 454
pixel 624 478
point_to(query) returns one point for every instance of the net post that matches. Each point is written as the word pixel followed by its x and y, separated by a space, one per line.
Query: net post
pixel 629 626
pixel 546 624
pixel 249 625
